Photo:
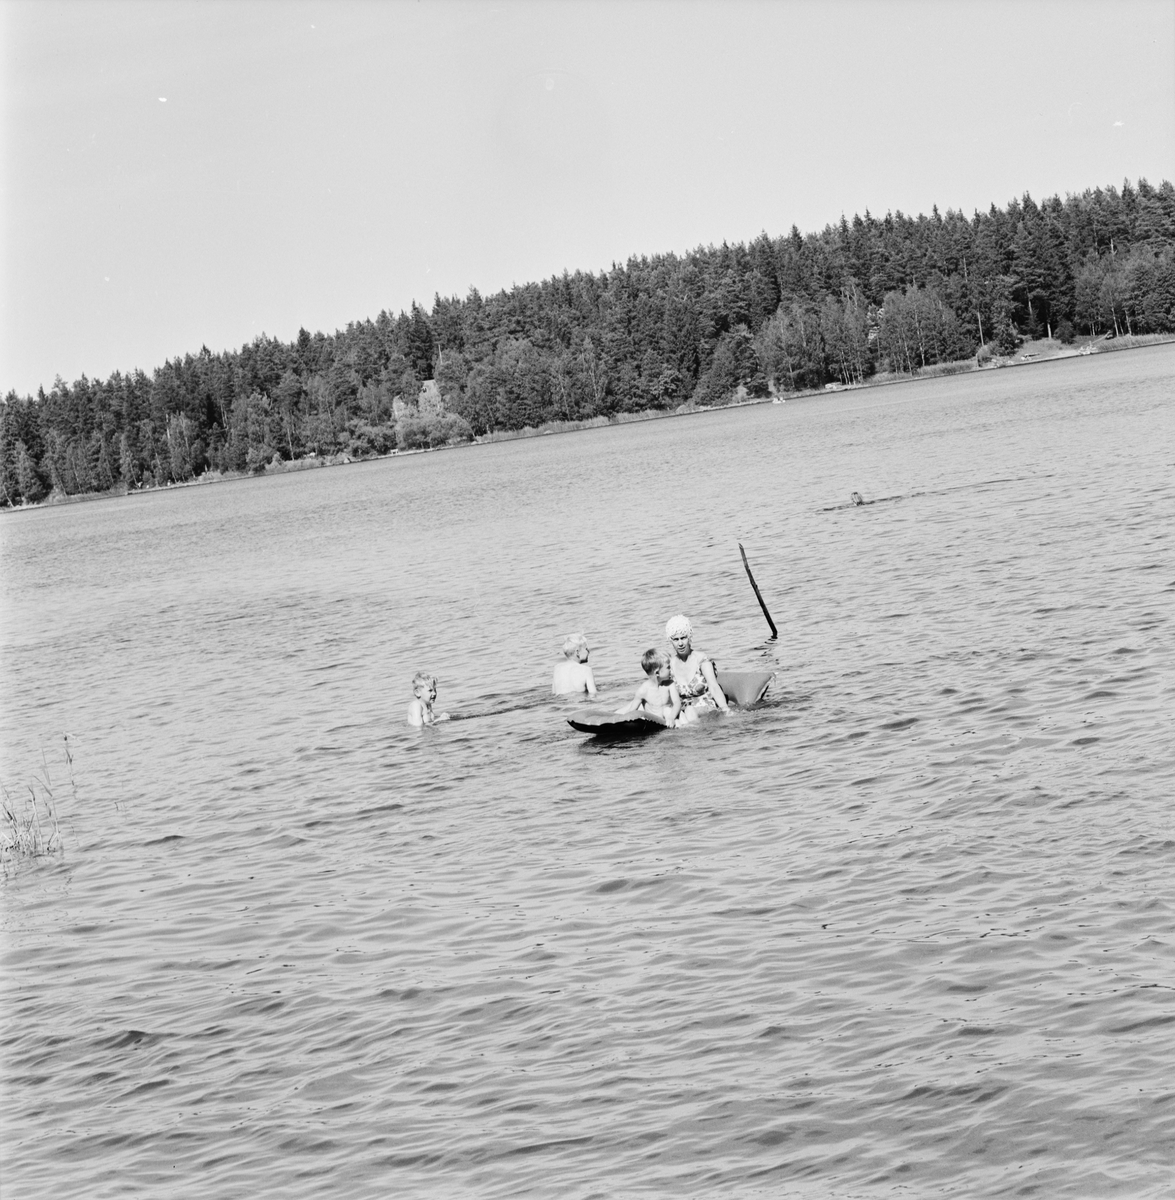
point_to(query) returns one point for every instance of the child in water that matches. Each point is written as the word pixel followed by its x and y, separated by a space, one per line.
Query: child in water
pixel 574 674
pixel 424 688
pixel 658 694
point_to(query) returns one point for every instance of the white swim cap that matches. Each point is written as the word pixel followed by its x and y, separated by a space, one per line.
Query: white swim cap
pixel 679 626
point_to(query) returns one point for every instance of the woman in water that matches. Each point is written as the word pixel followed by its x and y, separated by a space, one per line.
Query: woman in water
pixel 692 671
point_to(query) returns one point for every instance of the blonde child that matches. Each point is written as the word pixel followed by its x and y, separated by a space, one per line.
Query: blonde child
pixel 424 689
pixel 574 674
pixel 658 694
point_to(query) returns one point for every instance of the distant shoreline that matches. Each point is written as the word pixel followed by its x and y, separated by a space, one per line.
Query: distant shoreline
pixel 1046 351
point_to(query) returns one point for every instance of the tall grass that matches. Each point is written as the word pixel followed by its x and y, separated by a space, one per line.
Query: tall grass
pixel 1131 341
pixel 24 833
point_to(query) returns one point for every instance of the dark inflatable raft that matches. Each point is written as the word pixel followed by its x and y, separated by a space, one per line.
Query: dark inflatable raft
pixel 743 688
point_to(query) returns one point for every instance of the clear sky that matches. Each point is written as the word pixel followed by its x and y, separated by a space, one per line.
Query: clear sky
pixel 184 174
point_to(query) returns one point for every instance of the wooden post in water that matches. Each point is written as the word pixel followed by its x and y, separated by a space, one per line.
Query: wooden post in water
pixel 758 594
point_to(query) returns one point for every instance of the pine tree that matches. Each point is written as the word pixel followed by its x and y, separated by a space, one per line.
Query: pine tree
pixel 28 478
pixel 420 345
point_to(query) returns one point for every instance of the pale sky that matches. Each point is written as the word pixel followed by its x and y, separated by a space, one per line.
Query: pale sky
pixel 184 174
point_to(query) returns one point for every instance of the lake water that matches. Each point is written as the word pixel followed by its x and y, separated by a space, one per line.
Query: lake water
pixel 907 929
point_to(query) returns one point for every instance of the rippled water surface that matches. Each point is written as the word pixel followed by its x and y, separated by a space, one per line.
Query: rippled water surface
pixel 907 929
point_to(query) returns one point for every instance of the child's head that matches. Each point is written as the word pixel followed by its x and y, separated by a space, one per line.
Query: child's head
pixel 653 663
pixel 424 684
pixel 576 647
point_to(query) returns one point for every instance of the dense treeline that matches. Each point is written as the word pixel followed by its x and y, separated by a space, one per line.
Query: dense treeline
pixel 780 314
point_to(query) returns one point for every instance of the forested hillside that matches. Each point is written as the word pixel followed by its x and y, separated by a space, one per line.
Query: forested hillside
pixel 792 312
